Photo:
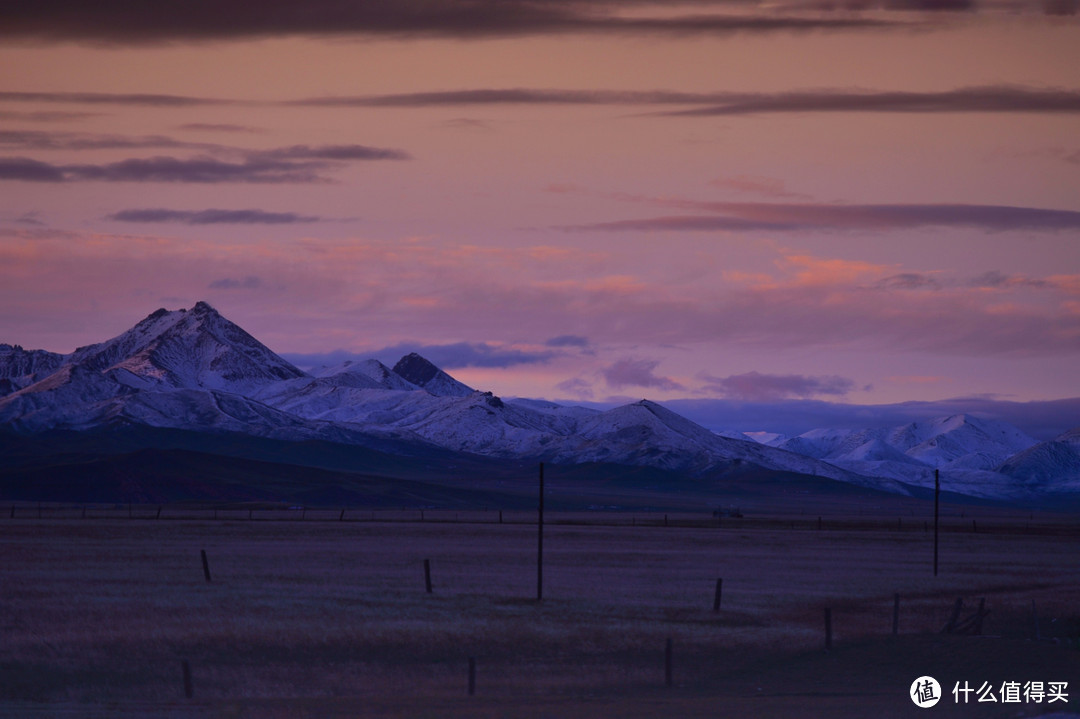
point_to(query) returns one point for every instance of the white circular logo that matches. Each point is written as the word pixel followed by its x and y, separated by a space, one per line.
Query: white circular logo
pixel 925 692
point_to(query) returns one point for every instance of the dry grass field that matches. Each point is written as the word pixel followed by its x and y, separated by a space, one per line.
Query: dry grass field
pixel 331 619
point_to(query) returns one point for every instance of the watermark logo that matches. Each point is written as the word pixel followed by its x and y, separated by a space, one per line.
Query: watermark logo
pixel 925 692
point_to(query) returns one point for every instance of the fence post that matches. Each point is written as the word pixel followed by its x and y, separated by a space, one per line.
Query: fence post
pixel 937 500
pixel 668 674
pixel 341 517
pixel 188 689
pixel 205 565
pixel 427 575
pixel 716 596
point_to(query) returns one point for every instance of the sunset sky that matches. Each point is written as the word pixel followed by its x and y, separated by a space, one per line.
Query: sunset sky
pixel 854 202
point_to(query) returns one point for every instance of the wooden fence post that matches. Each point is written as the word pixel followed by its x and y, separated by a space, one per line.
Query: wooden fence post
pixel 937 501
pixel 668 673
pixel 205 565
pixel 188 689
pixel 427 575
pixel 716 596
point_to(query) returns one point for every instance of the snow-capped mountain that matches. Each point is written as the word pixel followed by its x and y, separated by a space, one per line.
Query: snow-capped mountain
pixel 966 449
pixel 196 371
pixel 1052 466
pixel 196 348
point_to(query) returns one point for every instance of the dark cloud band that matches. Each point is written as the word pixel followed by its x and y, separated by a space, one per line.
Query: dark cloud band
pixel 211 217
pixel 779 217
pixel 298 163
pixel 122 22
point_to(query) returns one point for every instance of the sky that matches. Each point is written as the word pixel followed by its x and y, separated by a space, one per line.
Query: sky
pixel 811 208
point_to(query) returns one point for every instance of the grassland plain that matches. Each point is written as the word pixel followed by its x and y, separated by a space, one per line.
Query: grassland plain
pixel 331 619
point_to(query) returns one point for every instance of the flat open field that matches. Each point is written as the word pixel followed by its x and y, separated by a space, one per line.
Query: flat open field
pixel 332 619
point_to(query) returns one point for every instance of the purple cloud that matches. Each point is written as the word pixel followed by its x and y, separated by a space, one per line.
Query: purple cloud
pixel 631 372
pixel 211 217
pixel 117 21
pixel 250 282
pixel 757 387
pixel 299 163
pixel 779 217
pixel 105 98
pixel 42 140
pixel 25 169
pixel 218 127
pixel 909 281
pixel 971 99
pixel 568 341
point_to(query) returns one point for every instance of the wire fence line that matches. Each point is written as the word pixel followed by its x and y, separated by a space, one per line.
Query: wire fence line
pixel 960 522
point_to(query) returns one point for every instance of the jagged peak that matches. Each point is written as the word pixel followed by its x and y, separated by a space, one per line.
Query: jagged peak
pixel 202 307
pixel 416 369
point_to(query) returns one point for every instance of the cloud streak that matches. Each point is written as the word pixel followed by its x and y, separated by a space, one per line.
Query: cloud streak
pixel 112 98
pixel 986 99
pixel 211 217
pixel 991 99
pixel 294 164
pixel 757 387
pixel 796 217
pixel 120 22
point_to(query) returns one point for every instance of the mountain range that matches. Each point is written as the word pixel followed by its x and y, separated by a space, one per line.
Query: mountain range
pixel 192 381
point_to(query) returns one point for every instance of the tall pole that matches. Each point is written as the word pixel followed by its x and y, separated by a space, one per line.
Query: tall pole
pixel 540 541
pixel 937 499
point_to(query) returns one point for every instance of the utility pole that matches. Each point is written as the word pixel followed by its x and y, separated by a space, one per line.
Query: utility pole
pixel 937 500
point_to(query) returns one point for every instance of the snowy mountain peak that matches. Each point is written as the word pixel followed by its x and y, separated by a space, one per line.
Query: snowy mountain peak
pixel 196 348
pixel 423 373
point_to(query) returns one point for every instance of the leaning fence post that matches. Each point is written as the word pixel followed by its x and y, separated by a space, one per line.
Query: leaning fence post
pixel 716 596
pixel 205 566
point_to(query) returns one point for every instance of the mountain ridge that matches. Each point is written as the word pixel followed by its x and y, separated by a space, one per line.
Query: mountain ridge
pixel 195 370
